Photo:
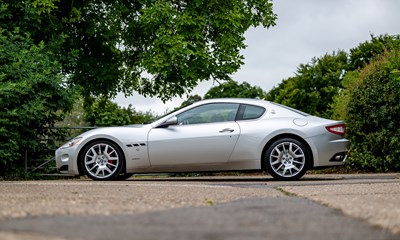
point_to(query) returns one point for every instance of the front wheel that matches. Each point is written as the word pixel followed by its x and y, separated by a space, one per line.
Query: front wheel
pixel 102 160
pixel 287 159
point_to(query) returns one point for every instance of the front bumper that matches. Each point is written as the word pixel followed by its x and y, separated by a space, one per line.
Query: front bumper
pixel 66 161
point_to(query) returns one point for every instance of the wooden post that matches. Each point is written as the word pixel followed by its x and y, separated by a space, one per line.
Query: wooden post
pixel 26 161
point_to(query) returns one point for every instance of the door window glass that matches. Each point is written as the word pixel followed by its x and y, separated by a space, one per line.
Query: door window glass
pixel 209 113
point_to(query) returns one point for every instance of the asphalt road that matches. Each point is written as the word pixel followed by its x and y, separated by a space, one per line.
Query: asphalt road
pixel 316 207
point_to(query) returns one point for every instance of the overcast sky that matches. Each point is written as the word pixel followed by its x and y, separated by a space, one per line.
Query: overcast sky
pixel 304 29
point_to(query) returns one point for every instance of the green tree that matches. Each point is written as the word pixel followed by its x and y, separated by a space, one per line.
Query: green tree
pixel 33 95
pixel 75 117
pixel 319 82
pixel 190 100
pixel 233 89
pixel 103 112
pixel 156 47
pixel 315 85
pixel 373 113
pixel 366 51
pixel 159 48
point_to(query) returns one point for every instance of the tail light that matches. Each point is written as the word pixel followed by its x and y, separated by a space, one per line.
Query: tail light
pixel 339 129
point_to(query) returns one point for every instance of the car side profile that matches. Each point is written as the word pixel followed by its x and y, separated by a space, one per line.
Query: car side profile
pixel 210 135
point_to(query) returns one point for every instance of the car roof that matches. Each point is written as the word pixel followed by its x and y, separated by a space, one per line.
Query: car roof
pixel 252 101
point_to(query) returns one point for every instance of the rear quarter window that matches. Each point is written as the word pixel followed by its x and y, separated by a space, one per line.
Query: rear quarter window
pixel 248 112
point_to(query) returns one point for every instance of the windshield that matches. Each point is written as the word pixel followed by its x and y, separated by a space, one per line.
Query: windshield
pixel 174 110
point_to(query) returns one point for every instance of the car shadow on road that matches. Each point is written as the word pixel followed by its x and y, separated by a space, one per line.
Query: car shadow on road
pixel 266 178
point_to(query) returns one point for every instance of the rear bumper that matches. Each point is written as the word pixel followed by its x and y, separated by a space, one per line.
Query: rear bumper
pixel 329 152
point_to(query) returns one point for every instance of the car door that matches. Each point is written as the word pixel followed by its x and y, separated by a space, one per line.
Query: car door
pixel 206 134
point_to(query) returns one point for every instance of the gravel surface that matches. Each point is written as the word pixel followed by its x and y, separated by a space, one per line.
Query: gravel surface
pixel 283 218
pixel 377 203
pixel 26 236
pixel 77 197
pixel 374 198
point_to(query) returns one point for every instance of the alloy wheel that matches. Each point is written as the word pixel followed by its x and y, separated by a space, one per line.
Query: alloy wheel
pixel 287 159
pixel 102 161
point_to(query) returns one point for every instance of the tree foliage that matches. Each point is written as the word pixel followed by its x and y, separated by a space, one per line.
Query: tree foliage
pixel 229 89
pixel 32 93
pixel 373 113
pixel 233 89
pixel 368 50
pixel 103 112
pixel 190 100
pixel 360 87
pixel 315 85
pixel 159 48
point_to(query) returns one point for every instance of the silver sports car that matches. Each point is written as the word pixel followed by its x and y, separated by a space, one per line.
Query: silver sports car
pixel 210 135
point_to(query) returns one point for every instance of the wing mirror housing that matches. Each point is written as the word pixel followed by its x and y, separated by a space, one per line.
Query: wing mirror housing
pixel 169 122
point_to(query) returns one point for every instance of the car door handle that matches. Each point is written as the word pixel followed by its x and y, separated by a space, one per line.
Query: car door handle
pixel 226 130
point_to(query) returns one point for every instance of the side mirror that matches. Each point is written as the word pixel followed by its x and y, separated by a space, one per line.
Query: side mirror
pixel 170 121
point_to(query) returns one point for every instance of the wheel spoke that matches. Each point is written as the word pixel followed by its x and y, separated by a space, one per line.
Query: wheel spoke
pixel 107 169
pixel 93 167
pixel 275 156
pixel 294 161
pixel 299 156
pixel 98 171
pixel 277 161
pixel 90 162
pixel 113 165
pixel 112 158
pixel 99 147
pixel 110 153
pixel 284 171
pixel 94 153
pixel 279 167
pixel 277 150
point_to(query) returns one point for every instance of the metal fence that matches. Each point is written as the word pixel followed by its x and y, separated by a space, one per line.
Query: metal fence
pixel 43 163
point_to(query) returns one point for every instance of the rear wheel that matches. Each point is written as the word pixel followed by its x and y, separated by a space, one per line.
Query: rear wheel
pixel 287 159
pixel 102 160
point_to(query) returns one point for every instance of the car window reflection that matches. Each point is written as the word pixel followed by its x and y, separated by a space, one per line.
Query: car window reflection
pixel 209 113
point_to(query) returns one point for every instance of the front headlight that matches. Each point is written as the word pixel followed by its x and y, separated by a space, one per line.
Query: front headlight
pixel 72 143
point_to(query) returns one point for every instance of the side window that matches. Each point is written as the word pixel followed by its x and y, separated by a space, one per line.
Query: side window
pixel 209 113
pixel 248 112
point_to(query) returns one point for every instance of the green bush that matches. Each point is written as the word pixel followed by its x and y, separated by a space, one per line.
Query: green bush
pixel 373 114
pixel 103 112
pixel 33 96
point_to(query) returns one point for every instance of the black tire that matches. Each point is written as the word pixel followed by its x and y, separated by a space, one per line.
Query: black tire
pixel 287 159
pixel 102 160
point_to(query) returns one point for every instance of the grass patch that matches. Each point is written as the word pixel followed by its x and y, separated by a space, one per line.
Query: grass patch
pixel 286 192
